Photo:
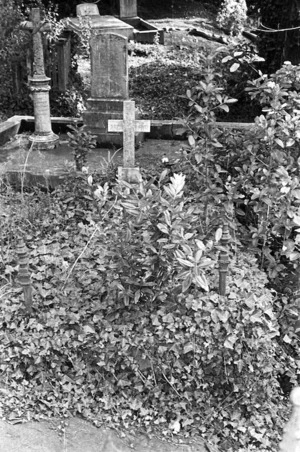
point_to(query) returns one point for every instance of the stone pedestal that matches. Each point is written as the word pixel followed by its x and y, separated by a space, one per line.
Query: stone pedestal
pixel 43 137
pixel 96 117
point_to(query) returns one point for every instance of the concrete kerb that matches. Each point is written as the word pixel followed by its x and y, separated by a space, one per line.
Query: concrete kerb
pixel 163 130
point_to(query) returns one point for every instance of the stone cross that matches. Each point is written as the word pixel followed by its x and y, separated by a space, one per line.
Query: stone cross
pixel 129 126
pixel 43 137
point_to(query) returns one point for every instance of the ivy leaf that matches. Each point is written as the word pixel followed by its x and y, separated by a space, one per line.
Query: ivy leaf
pixel 230 341
pixel 188 348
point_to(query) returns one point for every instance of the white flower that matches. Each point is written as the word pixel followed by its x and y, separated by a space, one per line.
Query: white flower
pixel 271 84
pixel 90 180
pixel 98 192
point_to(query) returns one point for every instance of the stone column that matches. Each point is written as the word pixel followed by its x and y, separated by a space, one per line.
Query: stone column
pixel 43 137
pixel 109 85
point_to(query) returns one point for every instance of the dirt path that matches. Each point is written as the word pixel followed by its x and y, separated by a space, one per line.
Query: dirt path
pixel 80 436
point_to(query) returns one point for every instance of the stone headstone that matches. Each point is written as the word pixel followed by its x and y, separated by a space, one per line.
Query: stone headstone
pixel 109 85
pixel 87 9
pixel 129 126
pixel 109 78
pixel 128 8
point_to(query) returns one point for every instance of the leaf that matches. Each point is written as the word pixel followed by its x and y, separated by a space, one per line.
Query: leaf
pixel 168 318
pixel 187 283
pixel 230 341
pixel 226 59
pixel 225 108
pixel 175 426
pixel 234 67
pixel 191 141
pixel 188 348
pixel 287 339
pixel 201 281
pixel 296 220
pixel 185 262
pixel 198 108
pixel 163 228
pixel 279 142
pixel 218 234
pixel 223 316
pixel 88 329
pixel 198 256
pixel 290 142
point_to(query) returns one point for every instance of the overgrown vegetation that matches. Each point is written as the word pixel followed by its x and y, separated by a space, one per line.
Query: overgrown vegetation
pixel 127 327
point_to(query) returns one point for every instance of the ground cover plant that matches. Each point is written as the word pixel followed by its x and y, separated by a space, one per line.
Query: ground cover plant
pixel 127 327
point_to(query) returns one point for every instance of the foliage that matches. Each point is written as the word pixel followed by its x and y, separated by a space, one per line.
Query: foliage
pixel 278 47
pixel 13 42
pixel 201 160
pixel 159 82
pixel 124 330
pixel 69 103
pixel 81 141
pixel 232 16
pixel 256 172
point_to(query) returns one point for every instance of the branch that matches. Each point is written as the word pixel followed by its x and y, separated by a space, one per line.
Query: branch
pixel 272 30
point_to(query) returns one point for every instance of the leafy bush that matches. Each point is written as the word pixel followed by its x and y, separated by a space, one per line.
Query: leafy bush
pixel 123 329
pixel 159 88
pixel 232 16
pixel 81 142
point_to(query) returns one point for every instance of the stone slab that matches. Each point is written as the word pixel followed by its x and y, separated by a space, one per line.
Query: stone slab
pixel 105 24
pixel 144 31
pixel 164 130
pixel 9 129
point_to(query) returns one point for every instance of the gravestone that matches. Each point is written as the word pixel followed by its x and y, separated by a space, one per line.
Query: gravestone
pixel 87 9
pixel 128 8
pixel 88 14
pixel 129 126
pixel 109 85
pixel 43 137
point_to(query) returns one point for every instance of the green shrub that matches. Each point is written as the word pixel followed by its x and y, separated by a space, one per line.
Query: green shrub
pixel 232 16
pixel 124 329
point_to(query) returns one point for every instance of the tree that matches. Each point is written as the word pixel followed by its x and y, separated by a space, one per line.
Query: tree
pixel 274 45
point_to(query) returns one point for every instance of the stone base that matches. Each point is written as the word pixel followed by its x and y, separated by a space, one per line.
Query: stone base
pixel 130 175
pixel 44 142
pixel 96 117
